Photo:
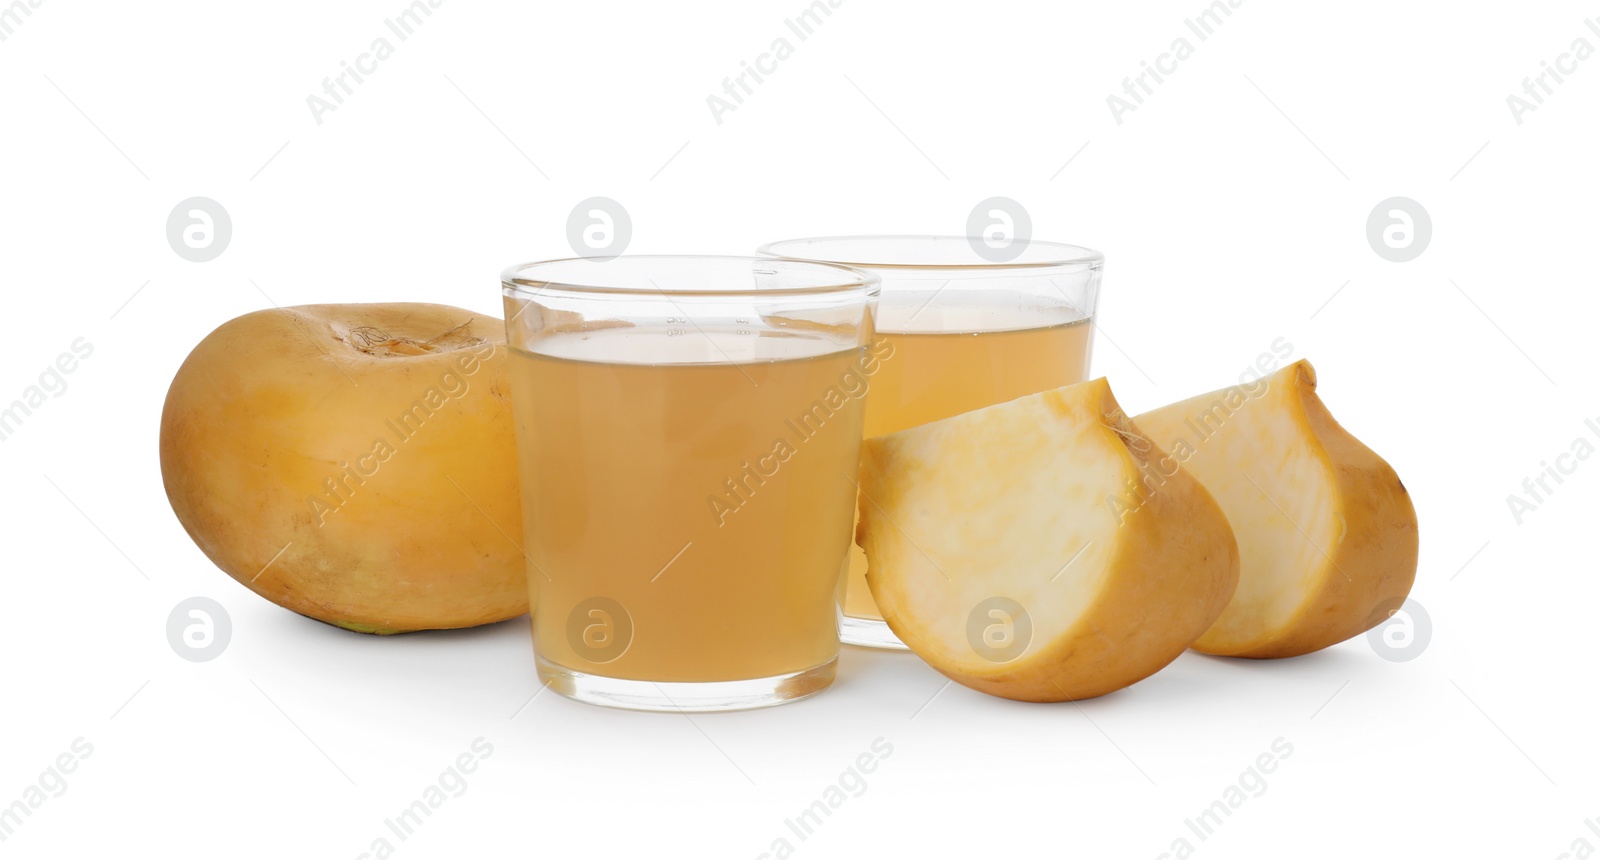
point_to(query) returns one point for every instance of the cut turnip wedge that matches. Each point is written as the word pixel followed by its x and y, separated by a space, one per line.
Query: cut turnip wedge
pixel 1020 550
pixel 1327 534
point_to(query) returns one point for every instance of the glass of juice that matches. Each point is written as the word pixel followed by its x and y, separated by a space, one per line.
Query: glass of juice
pixel 958 331
pixel 688 431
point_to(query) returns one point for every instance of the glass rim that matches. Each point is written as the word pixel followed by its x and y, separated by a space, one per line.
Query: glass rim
pixel 845 280
pixel 1060 254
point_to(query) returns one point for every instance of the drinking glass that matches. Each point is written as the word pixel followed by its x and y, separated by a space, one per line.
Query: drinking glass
pixel 958 330
pixel 688 429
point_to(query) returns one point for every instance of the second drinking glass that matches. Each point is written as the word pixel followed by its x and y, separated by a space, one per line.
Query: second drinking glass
pixel 958 331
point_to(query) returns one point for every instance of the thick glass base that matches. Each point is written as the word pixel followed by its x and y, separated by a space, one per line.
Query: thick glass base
pixel 687 696
pixel 868 633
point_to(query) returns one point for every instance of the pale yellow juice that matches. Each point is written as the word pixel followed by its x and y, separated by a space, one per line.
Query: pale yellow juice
pixel 708 495
pixel 926 376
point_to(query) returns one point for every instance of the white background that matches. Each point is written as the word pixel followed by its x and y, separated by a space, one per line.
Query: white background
pixel 1231 207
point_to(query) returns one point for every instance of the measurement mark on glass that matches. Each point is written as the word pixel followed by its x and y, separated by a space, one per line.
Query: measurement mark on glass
pixel 709 338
